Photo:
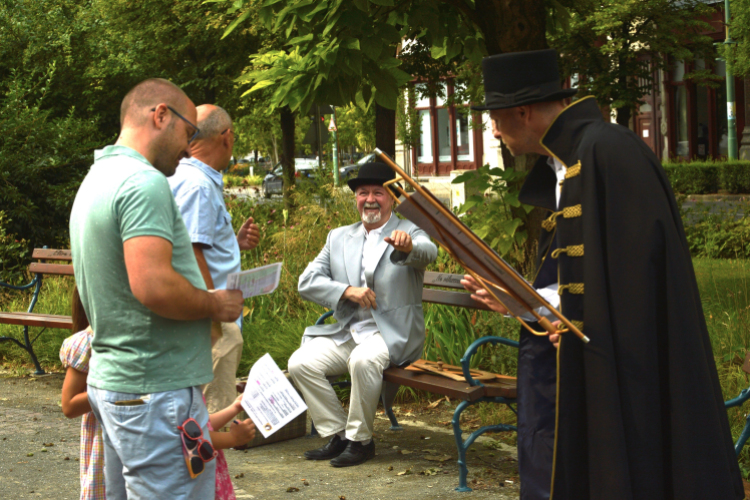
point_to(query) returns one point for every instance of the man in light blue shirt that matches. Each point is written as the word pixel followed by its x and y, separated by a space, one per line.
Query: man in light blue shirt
pixel 198 189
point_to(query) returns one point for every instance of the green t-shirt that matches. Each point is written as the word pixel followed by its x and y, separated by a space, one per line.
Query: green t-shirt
pixel 133 349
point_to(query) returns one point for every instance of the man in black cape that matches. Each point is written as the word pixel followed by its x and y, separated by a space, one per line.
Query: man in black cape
pixel 640 414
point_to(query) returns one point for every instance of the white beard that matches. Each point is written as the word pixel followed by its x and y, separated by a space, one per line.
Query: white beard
pixel 371 218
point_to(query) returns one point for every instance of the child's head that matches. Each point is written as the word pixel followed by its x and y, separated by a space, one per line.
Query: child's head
pixel 80 320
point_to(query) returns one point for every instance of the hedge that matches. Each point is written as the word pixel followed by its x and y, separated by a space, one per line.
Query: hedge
pixel 709 177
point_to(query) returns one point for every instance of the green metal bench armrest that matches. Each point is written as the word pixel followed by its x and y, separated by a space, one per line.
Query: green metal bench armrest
pixel 474 347
pixel 324 317
pixel 20 287
pixel 744 396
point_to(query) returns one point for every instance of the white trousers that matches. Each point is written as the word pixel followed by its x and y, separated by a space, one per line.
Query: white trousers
pixel 226 354
pixel 319 358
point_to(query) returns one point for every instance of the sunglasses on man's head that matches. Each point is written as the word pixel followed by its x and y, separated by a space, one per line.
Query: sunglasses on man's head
pixel 197 450
pixel 195 127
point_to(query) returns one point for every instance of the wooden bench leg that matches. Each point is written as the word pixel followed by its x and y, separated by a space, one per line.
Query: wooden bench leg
pixel 462 446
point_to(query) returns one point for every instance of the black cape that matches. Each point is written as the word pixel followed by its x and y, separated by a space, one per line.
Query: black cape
pixel 640 413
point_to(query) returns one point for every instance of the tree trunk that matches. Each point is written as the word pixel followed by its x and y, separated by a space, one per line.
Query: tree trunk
pixel 623 117
pixel 385 130
pixel 287 154
pixel 511 25
pixel 516 26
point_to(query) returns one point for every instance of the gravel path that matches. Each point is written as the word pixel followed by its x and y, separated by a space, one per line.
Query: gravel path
pixel 31 421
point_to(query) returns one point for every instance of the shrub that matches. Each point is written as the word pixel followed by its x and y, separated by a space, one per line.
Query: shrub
pixel 13 252
pixel 734 177
pixel 693 178
pixel 42 162
pixel 706 177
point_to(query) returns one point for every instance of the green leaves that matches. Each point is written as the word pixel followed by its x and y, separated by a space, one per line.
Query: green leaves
pixel 342 52
pixel 493 210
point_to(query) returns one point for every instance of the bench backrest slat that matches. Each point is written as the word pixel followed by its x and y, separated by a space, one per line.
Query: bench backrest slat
pixel 446 280
pixel 459 299
pixel 51 254
pixel 56 269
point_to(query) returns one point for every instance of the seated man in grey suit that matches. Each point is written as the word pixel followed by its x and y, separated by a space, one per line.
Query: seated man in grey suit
pixel 371 275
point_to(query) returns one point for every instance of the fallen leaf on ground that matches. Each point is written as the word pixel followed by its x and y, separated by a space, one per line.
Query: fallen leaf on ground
pixel 48 444
pixel 430 451
pixel 292 489
pixel 390 467
pixel 405 473
pixel 429 472
pixel 436 458
pixel 405 452
pixel 434 404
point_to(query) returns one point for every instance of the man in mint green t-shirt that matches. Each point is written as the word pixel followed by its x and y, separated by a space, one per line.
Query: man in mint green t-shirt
pixel 146 301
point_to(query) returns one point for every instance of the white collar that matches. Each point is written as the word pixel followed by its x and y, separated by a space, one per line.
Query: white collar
pixel 555 164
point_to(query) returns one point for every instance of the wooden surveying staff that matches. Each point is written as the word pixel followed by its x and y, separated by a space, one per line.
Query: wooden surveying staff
pixel 487 285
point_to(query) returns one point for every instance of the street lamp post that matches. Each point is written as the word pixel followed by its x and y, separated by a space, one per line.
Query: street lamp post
pixel 731 105
pixel 333 129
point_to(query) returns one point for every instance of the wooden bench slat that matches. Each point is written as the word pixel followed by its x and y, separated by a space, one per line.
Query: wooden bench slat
pixel 56 269
pixel 446 280
pixel 51 254
pixel 445 297
pixel 433 383
pixel 32 319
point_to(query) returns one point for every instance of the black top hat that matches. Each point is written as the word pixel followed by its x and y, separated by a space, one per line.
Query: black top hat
pixel 520 78
pixel 372 174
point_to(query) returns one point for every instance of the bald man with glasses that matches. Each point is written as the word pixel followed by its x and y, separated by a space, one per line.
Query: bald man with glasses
pixel 198 188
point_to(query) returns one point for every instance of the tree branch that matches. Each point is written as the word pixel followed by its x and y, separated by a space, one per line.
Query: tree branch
pixel 467 11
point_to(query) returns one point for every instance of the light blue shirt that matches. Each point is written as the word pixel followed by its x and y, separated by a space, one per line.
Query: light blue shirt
pixel 198 190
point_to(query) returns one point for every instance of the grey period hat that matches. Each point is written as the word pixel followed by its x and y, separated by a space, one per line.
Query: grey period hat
pixel 520 78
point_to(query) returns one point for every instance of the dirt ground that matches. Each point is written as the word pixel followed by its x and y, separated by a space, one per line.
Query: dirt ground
pixel 40 451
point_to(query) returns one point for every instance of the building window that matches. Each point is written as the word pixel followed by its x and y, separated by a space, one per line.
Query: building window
pixel 698 113
pixel 447 141
pixel 464 144
pixel 424 153
pixel 681 110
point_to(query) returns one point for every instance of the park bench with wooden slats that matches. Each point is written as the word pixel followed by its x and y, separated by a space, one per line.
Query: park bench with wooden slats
pixel 30 318
pixel 469 393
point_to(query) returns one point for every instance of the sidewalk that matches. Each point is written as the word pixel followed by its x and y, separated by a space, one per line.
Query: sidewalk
pixel 31 421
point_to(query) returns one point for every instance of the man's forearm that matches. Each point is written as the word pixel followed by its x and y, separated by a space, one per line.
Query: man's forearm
pixel 172 296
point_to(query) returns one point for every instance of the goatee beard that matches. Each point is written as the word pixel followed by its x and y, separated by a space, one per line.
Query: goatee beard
pixel 371 218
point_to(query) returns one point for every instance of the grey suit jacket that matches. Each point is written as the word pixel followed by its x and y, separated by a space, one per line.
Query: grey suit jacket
pixel 396 280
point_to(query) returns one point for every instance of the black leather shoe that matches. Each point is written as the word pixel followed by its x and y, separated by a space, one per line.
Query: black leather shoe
pixel 356 453
pixel 332 449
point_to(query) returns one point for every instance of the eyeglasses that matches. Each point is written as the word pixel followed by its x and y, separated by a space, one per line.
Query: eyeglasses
pixel 234 136
pixel 197 449
pixel 197 130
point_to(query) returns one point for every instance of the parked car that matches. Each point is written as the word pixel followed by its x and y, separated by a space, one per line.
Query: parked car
pixel 349 171
pixel 273 183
